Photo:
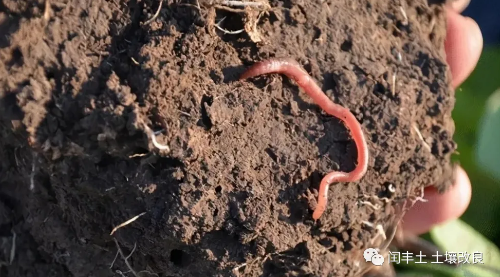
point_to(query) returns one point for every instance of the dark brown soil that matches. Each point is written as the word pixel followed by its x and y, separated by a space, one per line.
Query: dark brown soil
pixel 235 194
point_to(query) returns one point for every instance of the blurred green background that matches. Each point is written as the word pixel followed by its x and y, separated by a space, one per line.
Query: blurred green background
pixel 477 133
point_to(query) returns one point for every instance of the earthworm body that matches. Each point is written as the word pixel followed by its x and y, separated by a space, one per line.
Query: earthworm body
pixel 293 70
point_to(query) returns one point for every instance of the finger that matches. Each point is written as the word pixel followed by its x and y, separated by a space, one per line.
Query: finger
pixel 459 5
pixel 439 207
pixel 463 45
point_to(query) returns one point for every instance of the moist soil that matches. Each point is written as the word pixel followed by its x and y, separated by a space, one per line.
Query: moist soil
pixel 83 81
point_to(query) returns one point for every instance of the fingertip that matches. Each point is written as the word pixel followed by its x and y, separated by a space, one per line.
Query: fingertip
pixel 459 5
pixel 439 207
pixel 464 190
pixel 476 37
pixel 463 45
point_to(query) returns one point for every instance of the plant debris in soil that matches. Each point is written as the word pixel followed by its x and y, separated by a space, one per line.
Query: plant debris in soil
pixel 130 115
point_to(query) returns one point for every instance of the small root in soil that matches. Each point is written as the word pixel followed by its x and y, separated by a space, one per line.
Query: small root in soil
pixel 227 31
pixel 134 61
pixel 403 12
pixel 242 4
pixel 126 223
pixel 152 135
pixel 46 13
pixel 251 13
pixel 125 259
pixel 370 204
pixel 379 228
pixel 33 172
pixel 420 198
pixel 426 145
pixel 155 15
pixel 12 251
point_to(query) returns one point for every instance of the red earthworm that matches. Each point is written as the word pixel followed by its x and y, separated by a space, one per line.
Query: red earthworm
pixel 293 70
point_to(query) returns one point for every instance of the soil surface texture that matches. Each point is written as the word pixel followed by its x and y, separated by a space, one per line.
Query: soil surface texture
pixel 85 84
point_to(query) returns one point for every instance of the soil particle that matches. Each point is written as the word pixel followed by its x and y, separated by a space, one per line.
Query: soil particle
pixel 235 194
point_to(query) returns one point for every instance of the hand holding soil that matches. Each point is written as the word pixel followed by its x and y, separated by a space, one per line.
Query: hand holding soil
pixel 463 47
pixel 234 188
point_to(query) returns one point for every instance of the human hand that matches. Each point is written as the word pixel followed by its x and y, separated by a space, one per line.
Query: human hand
pixel 463 46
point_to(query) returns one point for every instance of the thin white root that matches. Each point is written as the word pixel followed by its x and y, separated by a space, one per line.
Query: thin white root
pixel 385 199
pixel 249 263
pixel 126 223
pixel 391 188
pixel 33 171
pixel 420 197
pixel 132 252
pixel 134 61
pixel 381 231
pixel 367 203
pixel 378 227
pixel 12 251
pixel 137 155
pixel 46 13
pixel 119 252
pixel 125 259
pixel 227 31
pixel 399 57
pixel 235 270
pixel 404 15
pixel 394 83
pixel 155 15
pixel 242 4
pixel 114 260
pixel 148 272
pixel 153 139
pixel 13 248
pixel 421 137
pixel 185 113
pixel 367 223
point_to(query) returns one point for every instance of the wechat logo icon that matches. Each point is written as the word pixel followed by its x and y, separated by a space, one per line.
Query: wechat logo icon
pixel 372 255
